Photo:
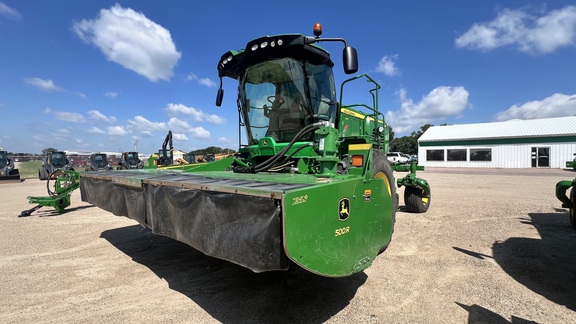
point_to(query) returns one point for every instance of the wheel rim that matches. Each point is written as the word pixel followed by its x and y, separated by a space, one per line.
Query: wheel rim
pixel 425 199
pixel 381 175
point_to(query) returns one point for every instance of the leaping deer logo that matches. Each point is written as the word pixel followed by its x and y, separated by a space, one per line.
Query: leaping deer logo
pixel 344 209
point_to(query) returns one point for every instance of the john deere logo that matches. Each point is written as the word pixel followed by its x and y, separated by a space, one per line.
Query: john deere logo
pixel 344 209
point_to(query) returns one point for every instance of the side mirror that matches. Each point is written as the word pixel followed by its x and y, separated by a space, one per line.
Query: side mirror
pixel 350 60
pixel 219 97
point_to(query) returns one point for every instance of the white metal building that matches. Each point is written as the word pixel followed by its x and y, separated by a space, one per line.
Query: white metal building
pixel 544 143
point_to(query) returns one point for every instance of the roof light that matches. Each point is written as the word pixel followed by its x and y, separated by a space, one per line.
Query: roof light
pixel 317 29
pixel 254 47
pixel 264 44
pixel 280 42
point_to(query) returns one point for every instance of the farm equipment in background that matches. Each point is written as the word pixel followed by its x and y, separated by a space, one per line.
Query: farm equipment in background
pixel 417 193
pixel 567 201
pixel 8 172
pixel 97 162
pixel 59 185
pixel 310 185
pixel 572 164
pixel 166 153
pixel 53 161
pixel 129 161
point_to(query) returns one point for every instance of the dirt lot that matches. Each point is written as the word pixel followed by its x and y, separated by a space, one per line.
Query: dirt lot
pixel 495 246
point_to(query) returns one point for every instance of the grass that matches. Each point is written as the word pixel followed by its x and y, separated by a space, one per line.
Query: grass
pixel 29 169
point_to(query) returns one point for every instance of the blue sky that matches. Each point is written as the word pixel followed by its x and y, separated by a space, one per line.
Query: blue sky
pixel 112 75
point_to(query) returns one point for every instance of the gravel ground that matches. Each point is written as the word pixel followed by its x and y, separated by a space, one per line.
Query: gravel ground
pixel 494 247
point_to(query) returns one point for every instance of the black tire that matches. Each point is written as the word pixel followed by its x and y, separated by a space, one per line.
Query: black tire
pixel 381 169
pixel 415 200
pixel 572 214
pixel 42 174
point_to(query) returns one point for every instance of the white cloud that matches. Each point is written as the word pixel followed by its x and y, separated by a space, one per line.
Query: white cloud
pixel 9 12
pixel 207 82
pixel 116 131
pixel 95 130
pixel 98 116
pixel 132 40
pixel 180 137
pixel 440 103
pixel 199 132
pixel 528 33
pixel 557 105
pixel 66 116
pixel 181 126
pixel 111 94
pixel 387 65
pixel 202 81
pixel 178 125
pixel 195 114
pixel 144 125
pixel 44 85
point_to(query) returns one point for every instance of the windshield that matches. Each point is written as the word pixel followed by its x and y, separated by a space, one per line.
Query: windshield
pixel 3 160
pixel 280 97
pixel 132 158
pixel 100 160
pixel 58 159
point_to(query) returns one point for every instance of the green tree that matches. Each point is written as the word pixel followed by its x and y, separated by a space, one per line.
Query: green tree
pixel 404 144
pixel 48 150
pixel 417 134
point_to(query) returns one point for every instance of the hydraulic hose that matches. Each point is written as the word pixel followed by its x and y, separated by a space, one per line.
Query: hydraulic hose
pixel 269 163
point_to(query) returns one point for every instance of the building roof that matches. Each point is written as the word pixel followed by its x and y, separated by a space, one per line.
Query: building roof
pixel 560 126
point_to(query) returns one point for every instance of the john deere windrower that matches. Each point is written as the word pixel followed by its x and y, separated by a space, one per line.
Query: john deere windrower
pixel 310 186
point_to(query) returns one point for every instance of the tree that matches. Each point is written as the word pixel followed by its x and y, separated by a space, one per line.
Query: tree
pixel 419 133
pixel 48 150
pixel 404 144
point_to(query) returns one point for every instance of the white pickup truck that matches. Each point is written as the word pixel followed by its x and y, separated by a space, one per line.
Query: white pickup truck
pixel 397 157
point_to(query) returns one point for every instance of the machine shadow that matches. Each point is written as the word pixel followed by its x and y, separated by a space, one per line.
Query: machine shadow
pixel 546 266
pixel 231 293
pixel 479 314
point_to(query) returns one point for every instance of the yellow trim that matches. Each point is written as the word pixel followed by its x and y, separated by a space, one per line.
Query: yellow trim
pixel 359 147
pixel 357 115
pixel 382 175
pixel 352 113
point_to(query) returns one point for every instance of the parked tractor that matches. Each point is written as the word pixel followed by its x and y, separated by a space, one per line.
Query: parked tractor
pixel 53 161
pixel 130 160
pixel 568 201
pixel 97 162
pixel 310 184
pixel 166 153
pixel 572 163
pixel 8 172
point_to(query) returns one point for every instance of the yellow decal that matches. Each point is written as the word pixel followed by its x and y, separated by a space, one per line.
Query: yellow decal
pixel 344 209
pixel 358 115
pixel 367 195
pixel 359 147
pixel 352 113
pixel 342 231
pixel 299 200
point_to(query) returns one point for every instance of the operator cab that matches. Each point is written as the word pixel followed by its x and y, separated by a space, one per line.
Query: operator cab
pixel 285 83
pixel 282 96
pixel 3 159
pixel 58 159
